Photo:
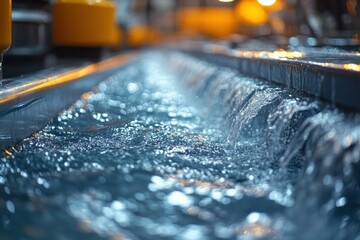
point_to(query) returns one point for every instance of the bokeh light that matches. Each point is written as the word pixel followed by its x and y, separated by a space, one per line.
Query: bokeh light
pixel 267 2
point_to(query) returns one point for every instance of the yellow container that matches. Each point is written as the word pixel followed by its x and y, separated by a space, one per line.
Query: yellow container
pixel 251 12
pixel 84 23
pixel 142 35
pixel 5 24
pixel 211 21
pixel 190 19
pixel 218 22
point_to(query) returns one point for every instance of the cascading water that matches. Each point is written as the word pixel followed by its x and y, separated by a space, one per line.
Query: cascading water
pixel 175 147
pixel 299 133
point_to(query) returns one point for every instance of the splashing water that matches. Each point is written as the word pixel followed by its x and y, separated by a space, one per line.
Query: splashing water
pixel 174 147
pixel 308 143
pixel 1 62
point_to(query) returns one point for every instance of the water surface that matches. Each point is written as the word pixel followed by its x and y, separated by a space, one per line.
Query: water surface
pixel 175 148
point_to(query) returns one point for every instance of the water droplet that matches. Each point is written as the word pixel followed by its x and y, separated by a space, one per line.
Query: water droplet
pixel 10 206
pixel 133 88
pixel 193 232
pixel 253 217
pixel 341 202
pixel 2 180
pixel 327 180
pixel 117 205
pixel 177 198
pixel 310 169
pixel 339 186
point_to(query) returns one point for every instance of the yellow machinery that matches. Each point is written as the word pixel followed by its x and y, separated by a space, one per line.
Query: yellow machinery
pixel 85 23
pixel 5 24
pixel 211 21
pixel 93 23
pixel 141 35
pixel 221 21
pixel 5 27
pixel 214 22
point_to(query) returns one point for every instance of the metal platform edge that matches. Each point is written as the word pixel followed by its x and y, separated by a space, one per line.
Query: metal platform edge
pixel 338 86
pixel 29 103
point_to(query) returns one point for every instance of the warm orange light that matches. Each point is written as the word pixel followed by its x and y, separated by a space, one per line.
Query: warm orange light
pixel 138 35
pixel 352 66
pixel 142 35
pixel 8 152
pixel 84 23
pixel 267 3
pixel 218 22
pixel 5 24
pixel 282 54
pixel 226 0
pixel 278 54
pixel 213 22
pixel 71 76
pixel 190 19
pixel 251 12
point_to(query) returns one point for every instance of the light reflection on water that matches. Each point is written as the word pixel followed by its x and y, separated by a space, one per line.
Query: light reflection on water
pixel 136 159
pixel 130 160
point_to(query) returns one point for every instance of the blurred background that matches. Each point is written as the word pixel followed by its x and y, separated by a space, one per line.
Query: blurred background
pixel 251 18
pixel 85 28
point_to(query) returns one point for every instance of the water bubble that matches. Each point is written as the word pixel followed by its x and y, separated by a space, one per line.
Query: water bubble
pixel 2 180
pixel 327 180
pixel 177 198
pixel 23 174
pixel 10 206
pixel 216 195
pixel 193 232
pixel 133 88
pixel 223 232
pixel 254 217
pixel 140 196
pixel 341 202
pixel 310 169
pixel 117 205
pixel 108 212
pixel 339 186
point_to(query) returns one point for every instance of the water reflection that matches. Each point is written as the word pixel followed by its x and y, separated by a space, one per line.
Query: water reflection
pixel 343 60
pixel 131 160
pixel 136 159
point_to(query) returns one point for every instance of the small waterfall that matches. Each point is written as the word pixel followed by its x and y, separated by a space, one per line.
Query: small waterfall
pixel 284 122
pixel 315 143
pixel 329 179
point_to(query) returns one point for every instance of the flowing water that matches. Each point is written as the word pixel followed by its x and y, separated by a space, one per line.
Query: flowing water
pixel 172 147
pixel 1 62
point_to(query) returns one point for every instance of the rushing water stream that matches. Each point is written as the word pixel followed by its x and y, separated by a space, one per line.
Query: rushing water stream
pixel 173 147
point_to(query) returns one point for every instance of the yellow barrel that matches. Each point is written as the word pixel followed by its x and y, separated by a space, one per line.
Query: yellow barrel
pixel 84 23
pixel 5 24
